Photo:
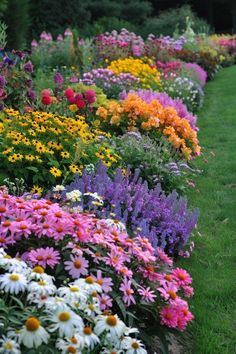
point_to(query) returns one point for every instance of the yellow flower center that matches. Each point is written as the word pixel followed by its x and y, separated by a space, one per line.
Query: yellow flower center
pixel 38 269
pixel 64 316
pixel 172 294
pixel 41 282
pixel 111 321
pixel 32 324
pixel 73 340
pixel 77 264
pixel 8 346
pixel 74 289
pixel 135 345
pixel 14 277
pixel 91 307
pixel 88 330
pixel 168 277
pixel 7 256
pixel 71 349
pixel 89 280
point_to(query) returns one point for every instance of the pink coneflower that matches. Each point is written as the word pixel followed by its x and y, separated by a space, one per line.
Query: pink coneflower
pixel 77 266
pixel 105 301
pixel 4 240
pixel 183 317
pixel 169 316
pixel 165 278
pixel 147 294
pixel 21 228
pixel 144 242
pixel 168 291
pixel 106 283
pixel 181 277
pixel 127 291
pixel 188 291
pixel 149 272
pixel 164 258
pixel 125 271
pixel 114 259
pixel 44 257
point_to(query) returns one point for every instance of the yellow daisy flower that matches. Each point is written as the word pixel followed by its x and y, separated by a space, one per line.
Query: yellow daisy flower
pixel 55 172
pixel 36 189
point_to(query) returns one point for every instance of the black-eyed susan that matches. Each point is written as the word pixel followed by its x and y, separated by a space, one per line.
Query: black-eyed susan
pixel 16 141
pixel 75 169
pixel 29 157
pixel 12 159
pixel 40 148
pixel 18 157
pixel 36 189
pixel 65 154
pixel 6 151
pixel 55 172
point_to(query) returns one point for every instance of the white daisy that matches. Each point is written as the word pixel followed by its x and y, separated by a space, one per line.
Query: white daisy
pixel 117 224
pixel 92 307
pixel 111 324
pixel 37 273
pixel 42 287
pixel 33 334
pixel 13 282
pixel 2 252
pixel 13 264
pixel 9 346
pixel 76 342
pixel 66 322
pixel 133 346
pixel 89 285
pixel 73 293
pixel 74 196
pixel 58 188
pixel 54 303
pixel 95 196
pixel 90 338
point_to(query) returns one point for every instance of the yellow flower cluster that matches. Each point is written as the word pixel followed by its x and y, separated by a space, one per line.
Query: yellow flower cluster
pixel 49 146
pixel 134 114
pixel 142 69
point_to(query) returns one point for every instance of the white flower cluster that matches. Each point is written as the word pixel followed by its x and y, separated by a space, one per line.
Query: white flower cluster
pixel 67 319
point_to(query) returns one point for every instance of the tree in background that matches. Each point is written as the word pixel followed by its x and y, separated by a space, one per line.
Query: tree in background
pixel 3 7
pixel 56 15
pixel 17 19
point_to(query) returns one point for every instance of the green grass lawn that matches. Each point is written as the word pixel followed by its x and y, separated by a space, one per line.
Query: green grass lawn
pixel 213 262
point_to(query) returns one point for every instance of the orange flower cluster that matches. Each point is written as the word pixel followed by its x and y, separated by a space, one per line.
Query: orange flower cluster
pixel 134 114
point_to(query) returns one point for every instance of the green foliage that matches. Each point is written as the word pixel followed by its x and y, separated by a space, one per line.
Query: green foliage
pixel 151 158
pixel 3 6
pixel 170 20
pixel 3 34
pixel 90 17
pixel 108 24
pixel 18 22
pixel 56 15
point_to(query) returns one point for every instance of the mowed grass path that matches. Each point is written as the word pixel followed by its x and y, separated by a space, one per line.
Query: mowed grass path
pixel 213 262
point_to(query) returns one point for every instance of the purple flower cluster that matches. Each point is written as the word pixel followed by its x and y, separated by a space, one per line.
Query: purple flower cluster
pixel 111 84
pixel 168 42
pixel 165 220
pixel 198 71
pixel 166 101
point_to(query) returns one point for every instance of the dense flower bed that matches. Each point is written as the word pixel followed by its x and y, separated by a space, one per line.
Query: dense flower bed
pixel 97 142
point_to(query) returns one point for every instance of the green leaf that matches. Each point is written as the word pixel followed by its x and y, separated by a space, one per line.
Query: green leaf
pixel 32 168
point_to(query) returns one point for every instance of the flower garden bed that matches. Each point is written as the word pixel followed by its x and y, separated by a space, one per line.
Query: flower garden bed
pixel 96 158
